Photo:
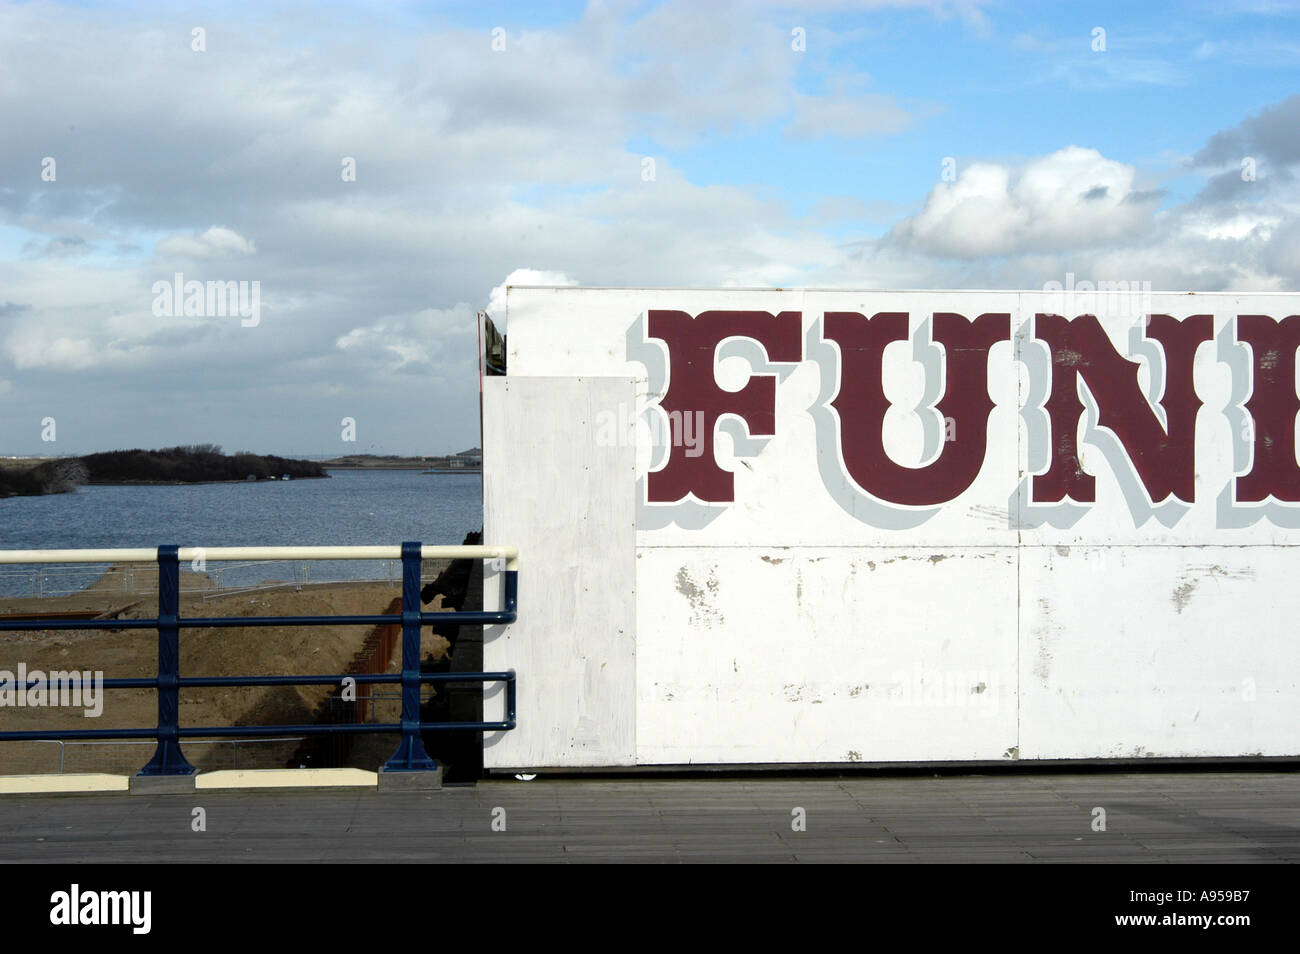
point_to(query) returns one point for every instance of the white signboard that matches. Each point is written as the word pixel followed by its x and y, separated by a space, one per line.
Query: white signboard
pixel 887 526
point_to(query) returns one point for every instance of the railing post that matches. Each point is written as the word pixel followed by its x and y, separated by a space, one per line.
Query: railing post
pixel 512 591
pixel 410 755
pixel 168 758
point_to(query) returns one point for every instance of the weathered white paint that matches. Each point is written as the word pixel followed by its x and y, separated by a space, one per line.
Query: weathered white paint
pixel 792 627
pixel 1173 651
pixel 825 654
pixel 568 504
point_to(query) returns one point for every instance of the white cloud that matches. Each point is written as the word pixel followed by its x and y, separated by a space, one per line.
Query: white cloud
pixel 522 276
pixel 216 242
pixel 1072 198
pixel 1224 224
pixel 35 347
pixel 848 117
pixel 428 341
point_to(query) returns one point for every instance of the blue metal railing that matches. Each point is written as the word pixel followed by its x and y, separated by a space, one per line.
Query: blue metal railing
pixel 168 759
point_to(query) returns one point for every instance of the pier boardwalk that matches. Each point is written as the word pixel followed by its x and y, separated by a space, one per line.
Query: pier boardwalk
pixel 1204 817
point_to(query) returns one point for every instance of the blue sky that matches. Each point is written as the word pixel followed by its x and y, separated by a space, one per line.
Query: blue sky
pixel 772 166
pixel 1002 81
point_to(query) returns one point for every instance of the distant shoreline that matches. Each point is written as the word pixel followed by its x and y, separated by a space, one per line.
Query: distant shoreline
pixel 170 466
pixel 469 461
pixel 194 483
pixel 330 465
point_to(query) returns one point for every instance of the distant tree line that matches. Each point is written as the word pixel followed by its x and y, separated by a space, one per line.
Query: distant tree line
pixel 194 463
pixel 47 477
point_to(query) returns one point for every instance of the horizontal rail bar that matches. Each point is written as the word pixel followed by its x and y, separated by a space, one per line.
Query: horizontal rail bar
pixel 361 679
pixel 288 738
pixel 359 728
pixel 509 553
pixel 475 618
pixel 426 619
pixel 239 732
pixel 207 682
pixel 254 731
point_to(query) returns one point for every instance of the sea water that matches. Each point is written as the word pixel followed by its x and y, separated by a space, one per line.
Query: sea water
pixel 350 508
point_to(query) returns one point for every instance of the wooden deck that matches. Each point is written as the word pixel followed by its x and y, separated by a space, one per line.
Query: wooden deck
pixel 1200 817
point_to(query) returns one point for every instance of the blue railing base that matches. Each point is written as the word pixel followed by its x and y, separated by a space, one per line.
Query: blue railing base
pixel 410 757
pixel 168 759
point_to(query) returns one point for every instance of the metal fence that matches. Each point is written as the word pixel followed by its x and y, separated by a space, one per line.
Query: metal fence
pixel 168 758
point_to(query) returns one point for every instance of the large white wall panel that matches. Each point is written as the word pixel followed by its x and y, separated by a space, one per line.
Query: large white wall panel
pixel 1128 652
pixel 829 654
pixel 565 498
pixel 800 618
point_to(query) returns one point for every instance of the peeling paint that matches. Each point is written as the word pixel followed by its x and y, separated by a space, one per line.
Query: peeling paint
pixel 703 612
pixel 997 516
pixel 1215 571
pixel 1043 636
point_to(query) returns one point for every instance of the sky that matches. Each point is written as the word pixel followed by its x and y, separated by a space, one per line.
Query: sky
pixel 381 171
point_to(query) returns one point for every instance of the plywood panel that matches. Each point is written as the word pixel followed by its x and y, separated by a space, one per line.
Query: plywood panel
pixel 565 498
pixel 1153 651
pixel 825 654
